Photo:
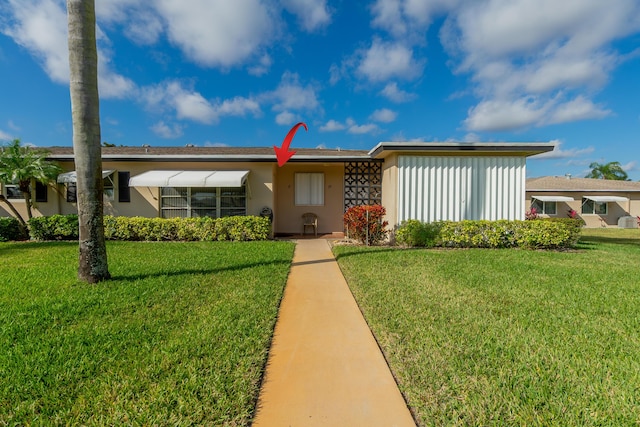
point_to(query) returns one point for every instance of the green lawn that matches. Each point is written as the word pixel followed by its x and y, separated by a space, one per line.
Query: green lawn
pixel 178 337
pixel 508 337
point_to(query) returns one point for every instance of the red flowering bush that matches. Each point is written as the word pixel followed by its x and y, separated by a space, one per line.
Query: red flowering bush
pixel 365 223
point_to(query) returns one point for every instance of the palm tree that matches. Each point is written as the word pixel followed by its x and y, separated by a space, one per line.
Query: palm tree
pixel 23 165
pixel 85 112
pixel 611 170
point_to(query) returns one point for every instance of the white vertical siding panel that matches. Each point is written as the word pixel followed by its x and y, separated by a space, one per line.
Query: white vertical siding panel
pixel 457 188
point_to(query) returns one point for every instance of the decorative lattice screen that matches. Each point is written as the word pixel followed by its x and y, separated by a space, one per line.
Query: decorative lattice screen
pixel 362 184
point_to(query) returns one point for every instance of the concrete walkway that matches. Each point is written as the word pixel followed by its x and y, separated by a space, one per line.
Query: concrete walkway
pixel 324 366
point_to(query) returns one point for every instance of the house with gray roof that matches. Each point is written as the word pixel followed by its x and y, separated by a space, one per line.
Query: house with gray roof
pixel 599 202
pixel 412 180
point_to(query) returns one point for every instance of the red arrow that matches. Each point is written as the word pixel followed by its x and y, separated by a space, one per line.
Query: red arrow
pixel 283 154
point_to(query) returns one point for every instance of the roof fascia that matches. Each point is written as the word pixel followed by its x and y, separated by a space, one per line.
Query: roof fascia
pixel 384 149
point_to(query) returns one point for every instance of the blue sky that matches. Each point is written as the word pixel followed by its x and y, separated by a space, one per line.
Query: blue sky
pixel 242 72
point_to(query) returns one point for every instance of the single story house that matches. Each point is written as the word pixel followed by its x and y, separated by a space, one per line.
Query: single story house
pixel 424 181
pixel 599 202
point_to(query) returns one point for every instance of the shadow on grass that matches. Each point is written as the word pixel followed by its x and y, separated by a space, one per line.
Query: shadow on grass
pixel 365 250
pixel 187 272
pixel 594 240
pixel 28 245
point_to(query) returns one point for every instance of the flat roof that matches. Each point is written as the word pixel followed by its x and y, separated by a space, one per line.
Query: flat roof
pixel 383 149
pixel 306 155
pixel 213 154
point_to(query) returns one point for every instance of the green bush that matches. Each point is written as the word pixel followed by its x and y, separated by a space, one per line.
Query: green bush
pixel 537 234
pixel 55 227
pixel 10 230
pixel 418 234
pixel 238 228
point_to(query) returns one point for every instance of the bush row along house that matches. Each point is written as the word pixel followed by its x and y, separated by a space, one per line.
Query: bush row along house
pixel 424 181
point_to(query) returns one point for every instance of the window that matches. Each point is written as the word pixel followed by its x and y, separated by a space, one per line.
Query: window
pixel 591 207
pixel 12 191
pixel 41 192
pixel 547 208
pixel 214 202
pixel 124 191
pixel 108 186
pixel 309 189
pixel 72 192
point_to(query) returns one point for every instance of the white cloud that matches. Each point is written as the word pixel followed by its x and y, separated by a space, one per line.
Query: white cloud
pixel 385 60
pixel 332 126
pixel 40 26
pixel 313 14
pixel 383 115
pixel 286 118
pixel 501 115
pixel 395 94
pixel 516 50
pixel 408 18
pixel 292 95
pixel 218 33
pixel 577 109
pixel 559 153
pixel 4 136
pixel 167 131
pixel 472 137
pixel 351 127
pixel 354 128
pixel 631 166
pixel 191 105
pixel 262 67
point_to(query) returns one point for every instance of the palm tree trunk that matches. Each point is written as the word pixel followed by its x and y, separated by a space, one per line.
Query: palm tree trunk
pixel 85 110
pixel 12 208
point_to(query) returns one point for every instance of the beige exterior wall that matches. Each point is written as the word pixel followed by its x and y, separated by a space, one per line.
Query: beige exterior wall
pixel 390 189
pixel 615 210
pixel 146 201
pixel 288 216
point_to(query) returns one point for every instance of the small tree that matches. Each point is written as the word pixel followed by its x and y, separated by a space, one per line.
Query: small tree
pixel 22 165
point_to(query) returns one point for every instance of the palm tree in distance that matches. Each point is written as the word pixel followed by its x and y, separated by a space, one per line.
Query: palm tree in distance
pixel 611 170
pixel 22 166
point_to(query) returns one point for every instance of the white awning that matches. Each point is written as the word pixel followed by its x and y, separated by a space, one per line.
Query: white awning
pixel 72 177
pixel 553 198
pixel 605 199
pixel 176 178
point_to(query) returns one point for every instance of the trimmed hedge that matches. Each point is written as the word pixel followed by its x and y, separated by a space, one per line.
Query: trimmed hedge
pixel 10 229
pixel 559 233
pixel 54 227
pixel 235 228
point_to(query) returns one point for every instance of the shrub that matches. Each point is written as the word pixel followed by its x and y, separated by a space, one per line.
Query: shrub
pixel 531 214
pixel 239 228
pixel 418 234
pixel 477 234
pixel 10 229
pixel 554 233
pixel 55 227
pixel 365 224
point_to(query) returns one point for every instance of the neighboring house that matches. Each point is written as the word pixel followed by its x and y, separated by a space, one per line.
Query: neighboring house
pixel 599 202
pixel 425 181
